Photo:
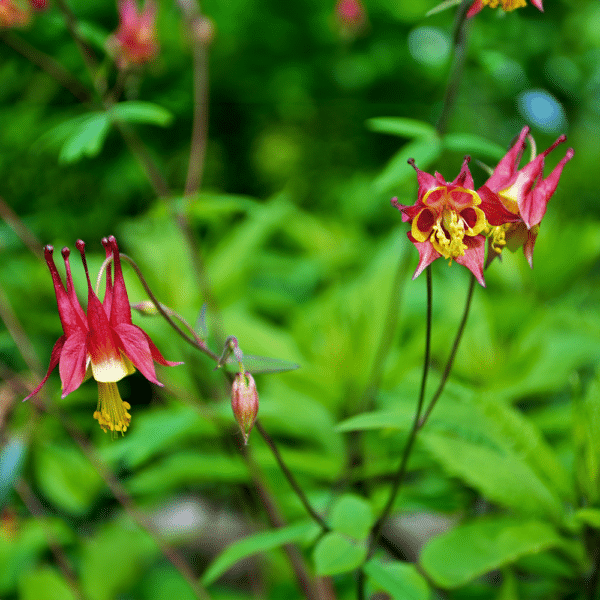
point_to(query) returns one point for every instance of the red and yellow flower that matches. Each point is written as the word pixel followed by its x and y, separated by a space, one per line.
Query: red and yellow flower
pixel 506 5
pixel 447 221
pixel 104 344
pixel 515 200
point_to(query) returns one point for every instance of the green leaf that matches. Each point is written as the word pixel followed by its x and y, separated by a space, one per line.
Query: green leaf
pixel 187 468
pixel 459 556
pixel 352 516
pixel 44 583
pixel 407 128
pixel 259 542
pixel 136 111
pixel 86 138
pixel 425 151
pixel 589 516
pixel 469 143
pixel 12 458
pixel 67 478
pixel 399 579
pixel 335 554
pixel 114 559
pixel 399 418
pixel 500 475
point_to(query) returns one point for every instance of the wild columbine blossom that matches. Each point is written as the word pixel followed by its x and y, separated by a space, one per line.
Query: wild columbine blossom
pixel 13 14
pixel 446 221
pixel 134 42
pixel 104 344
pixel 507 5
pixel 515 200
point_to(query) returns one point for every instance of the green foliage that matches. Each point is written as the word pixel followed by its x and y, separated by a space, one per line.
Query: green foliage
pixel 298 253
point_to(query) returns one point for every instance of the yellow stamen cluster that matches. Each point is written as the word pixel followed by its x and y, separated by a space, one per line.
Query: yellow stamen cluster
pixel 507 5
pixel 497 236
pixel 450 227
pixel 111 411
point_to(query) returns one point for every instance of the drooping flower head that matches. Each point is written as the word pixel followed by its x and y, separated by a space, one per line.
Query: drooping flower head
pixel 446 221
pixel 507 5
pixel 134 42
pixel 104 344
pixel 13 14
pixel 515 200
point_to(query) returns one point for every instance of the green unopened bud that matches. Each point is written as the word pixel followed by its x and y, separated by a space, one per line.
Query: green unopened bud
pixel 145 308
pixel 244 402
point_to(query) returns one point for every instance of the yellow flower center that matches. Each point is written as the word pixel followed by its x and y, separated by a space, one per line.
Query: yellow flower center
pixel 497 236
pixel 111 411
pixel 507 5
pixel 449 215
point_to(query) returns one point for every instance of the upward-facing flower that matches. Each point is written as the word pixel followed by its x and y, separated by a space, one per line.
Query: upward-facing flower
pixel 446 221
pixel 104 344
pixel 515 200
pixel 134 42
pixel 507 5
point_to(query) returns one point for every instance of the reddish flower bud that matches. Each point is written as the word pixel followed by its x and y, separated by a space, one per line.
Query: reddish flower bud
pixel 351 16
pixel 244 402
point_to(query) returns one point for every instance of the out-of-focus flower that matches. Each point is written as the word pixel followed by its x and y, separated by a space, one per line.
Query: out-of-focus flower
pixel 506 5
pixel 13 14
pixel 446 221
pixel 104 344
pixel 244 402
pixel 134 42
pixel 351 16
pixel 515 200
pixel 39 4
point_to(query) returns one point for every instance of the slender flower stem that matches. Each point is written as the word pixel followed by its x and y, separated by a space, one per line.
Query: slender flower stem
pixel 452 356
pixel 400 474
pixel 193 341
pixel 47 63
pixel 8 215
pixel 291 479
pixel 310 587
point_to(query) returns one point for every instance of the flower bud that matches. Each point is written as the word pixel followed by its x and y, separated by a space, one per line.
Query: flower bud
pixel 244 402
pixel 145 308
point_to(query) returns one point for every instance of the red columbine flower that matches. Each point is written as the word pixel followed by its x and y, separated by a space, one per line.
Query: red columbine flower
pixel 351 15
pixel 520 196
pixel 104 344
pixel 135 40
pixel 507 5
pixel 446 221
pixel 12 14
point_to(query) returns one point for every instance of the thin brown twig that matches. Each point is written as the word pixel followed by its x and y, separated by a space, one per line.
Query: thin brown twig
pixel 10 217
pixel 48 64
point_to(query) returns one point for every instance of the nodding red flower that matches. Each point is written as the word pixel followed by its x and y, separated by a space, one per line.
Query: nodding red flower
pixel 507 5
pixel 134 42
pixel 104 344
pixel 446 221
pixel 13 14
pixel 39 4
pixel 515 200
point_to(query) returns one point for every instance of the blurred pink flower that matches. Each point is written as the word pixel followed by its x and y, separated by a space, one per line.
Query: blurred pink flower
pixel 134 42
pixel 351 16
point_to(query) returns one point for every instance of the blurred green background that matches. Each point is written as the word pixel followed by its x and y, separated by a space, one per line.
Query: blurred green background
pixel 301 249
